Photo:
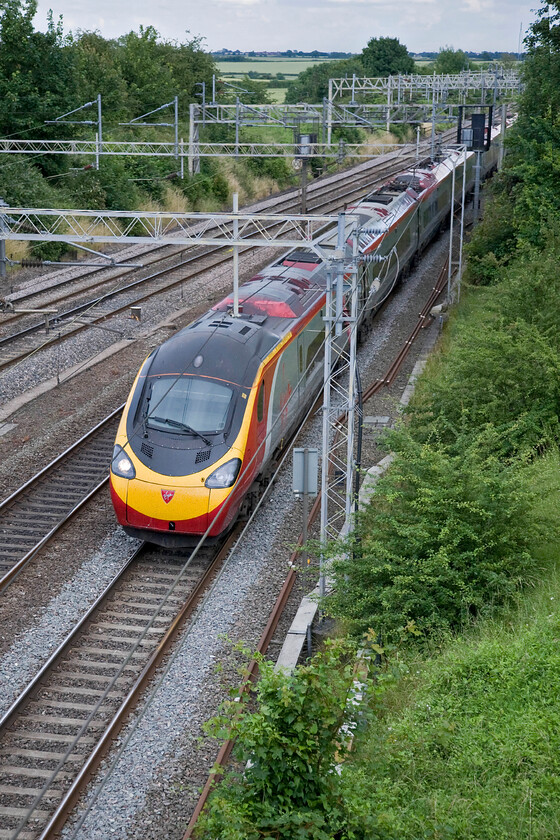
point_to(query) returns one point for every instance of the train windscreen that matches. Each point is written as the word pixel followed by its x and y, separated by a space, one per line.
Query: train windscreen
pixel 187 402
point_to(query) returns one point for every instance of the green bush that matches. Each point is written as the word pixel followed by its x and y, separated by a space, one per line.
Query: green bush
pixel 22 184
pixel 444 537
pixel 531 288
pixel 276 168
pixel 494 241
pixel 220 188
pixel 289 789
pixel 496 373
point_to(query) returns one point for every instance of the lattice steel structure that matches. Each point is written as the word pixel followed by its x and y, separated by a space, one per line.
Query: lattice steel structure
pixel 90 147
pixel 338 464
pixel 495 82
pixel 193 153
pixel 293 116
pixel 129 227
pixel 396 90
pixel 236 229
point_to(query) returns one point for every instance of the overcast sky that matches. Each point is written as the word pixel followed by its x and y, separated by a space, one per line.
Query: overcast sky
pixel 329 25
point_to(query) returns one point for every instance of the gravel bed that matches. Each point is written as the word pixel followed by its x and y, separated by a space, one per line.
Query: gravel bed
pixel 27 280
pixel 79 349
pixel 53 361
pixel 238 608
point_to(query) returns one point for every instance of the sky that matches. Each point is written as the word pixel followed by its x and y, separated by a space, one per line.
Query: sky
pixel 325 25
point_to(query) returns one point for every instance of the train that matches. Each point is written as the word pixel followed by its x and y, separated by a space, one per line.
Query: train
pixel 211 407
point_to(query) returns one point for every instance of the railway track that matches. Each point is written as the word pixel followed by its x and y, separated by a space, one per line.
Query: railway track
pixel 49 737
pixel 224 753
pixel 94 312
pixel 54 735
pixel 57 731
pixel 32 515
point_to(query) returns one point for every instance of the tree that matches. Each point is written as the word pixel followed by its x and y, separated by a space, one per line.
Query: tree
pixel 313 84
pixel 541 70
pixel 386 57
pixel 36 73
pixel 190 66
pixel 148 76
pixel 452 61
pixel 249 90
pixel 99 71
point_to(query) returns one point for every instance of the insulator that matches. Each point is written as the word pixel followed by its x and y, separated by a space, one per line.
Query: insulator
pixel 375 231
pixel 33 263
pixel 374 258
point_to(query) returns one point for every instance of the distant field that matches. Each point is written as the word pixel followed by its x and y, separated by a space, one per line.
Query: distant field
pixel 290 67
pixel 277 95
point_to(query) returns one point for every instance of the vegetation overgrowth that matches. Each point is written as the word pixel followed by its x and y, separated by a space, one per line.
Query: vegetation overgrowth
pixel 454 569
pixel 290 787
pixel 45 75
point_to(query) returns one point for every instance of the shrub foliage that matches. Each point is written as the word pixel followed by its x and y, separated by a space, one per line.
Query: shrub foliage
pixel 288 789
pixel 445 536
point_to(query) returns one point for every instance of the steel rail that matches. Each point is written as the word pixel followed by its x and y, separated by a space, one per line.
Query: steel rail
pixel 318 188
pixel 188 608
pixel 315 191
pixel 8 716
pixel 21 497
pixel 131 693
pixel 75 329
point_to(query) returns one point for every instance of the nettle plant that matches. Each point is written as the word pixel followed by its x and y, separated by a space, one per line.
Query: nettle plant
pixel 285 784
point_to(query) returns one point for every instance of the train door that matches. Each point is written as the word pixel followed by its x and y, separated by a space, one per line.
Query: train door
pixel 261 418
pixel 302 377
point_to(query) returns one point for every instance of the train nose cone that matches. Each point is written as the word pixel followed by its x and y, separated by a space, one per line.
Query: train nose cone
pixel 150 505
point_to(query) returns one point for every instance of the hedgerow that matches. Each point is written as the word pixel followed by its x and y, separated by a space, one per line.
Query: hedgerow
pixel 497 373
pixel 450 531
pixel 465 746
pixel 445 536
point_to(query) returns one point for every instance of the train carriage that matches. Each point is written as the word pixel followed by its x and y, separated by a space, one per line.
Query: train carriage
pixel 212 406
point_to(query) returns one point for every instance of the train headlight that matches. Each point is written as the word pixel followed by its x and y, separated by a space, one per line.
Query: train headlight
pixel 121 464
pixel 225 475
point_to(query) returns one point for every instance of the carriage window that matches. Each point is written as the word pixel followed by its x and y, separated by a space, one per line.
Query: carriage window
pixel 260 403
pixel 316 348
pixel 202 404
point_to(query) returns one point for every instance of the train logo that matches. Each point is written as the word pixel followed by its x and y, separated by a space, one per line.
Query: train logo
pixel 167 495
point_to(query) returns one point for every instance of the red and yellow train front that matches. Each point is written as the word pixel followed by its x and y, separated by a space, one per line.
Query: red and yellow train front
pixel 184 457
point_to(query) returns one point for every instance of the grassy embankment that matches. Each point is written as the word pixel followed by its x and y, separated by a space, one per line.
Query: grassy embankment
pixel 465 738
pixel 467 743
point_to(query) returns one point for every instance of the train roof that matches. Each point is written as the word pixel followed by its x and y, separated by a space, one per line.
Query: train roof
pixel 382 207
pixel 221 346
pixel 275 296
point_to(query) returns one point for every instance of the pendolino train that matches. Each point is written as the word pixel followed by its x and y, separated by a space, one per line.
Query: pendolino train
pixel 211 407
